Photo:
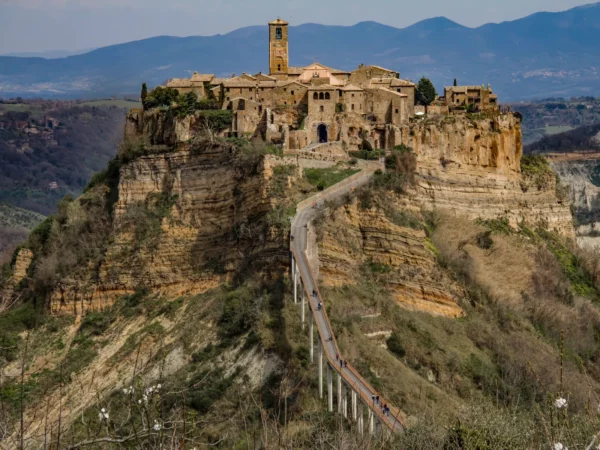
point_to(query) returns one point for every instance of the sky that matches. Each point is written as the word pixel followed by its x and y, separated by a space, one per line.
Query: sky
pixel 45 25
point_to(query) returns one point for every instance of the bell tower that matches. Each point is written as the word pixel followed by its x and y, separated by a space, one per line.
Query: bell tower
pixel 278 49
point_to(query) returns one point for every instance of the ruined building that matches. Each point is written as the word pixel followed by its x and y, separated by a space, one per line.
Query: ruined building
pixel 300 106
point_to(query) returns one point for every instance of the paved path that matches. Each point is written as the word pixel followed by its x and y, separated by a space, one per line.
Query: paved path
pixel 305 214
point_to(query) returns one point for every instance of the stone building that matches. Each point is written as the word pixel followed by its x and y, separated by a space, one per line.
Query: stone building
pixel 478 98
pixel 317 104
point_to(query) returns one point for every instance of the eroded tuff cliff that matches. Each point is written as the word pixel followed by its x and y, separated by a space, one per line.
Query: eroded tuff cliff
pixel 580 171
pixel 468 167
pixel 354 238
pixel 186 214
pixel 471 165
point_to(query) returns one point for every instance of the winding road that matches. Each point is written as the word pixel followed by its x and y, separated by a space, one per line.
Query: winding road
pixel 299 245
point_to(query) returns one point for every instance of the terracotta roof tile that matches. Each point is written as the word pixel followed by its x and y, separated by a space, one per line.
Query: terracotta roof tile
pixel 202 77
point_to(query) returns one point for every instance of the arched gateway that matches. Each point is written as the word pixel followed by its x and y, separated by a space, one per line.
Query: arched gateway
pixel 322 133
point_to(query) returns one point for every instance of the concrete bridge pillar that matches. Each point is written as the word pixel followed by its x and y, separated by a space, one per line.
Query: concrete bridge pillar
pixel 295 277
pixel 344 401
pixel 311 337
pixel 339 392
pixel 302 300
pixel 329 389
pixel 320 362
pixel 361 419
pixel 354 413
pixel 371 422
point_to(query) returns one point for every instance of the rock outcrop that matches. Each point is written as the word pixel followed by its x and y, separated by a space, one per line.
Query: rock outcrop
pixel 471 165
pixel 353 237
pixel 580 170
pixel 205 210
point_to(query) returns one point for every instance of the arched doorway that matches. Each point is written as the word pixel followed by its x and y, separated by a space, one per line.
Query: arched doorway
pixel 322 133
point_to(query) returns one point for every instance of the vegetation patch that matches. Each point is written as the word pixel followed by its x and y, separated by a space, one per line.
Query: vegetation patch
pixel 324 178
pixel 536 171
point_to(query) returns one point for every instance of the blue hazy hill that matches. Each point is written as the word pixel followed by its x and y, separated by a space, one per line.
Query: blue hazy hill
pixel 545 54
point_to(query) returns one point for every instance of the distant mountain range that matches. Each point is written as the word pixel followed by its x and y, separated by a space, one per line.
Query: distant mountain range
pixel 542 55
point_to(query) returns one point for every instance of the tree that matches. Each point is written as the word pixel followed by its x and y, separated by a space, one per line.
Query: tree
pixel 425 91
pixel 144 93
pixel 455 82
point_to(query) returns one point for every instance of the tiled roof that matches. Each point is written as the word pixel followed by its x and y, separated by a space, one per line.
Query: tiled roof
pixel 287 83
pixel 464 88
pixel 202 77
pixel 381 68
pixel 295 70
pixel 179 82
pixel 239 82
pixel 278 22
pixel 262 77
pixel 269 84
pixel 399 82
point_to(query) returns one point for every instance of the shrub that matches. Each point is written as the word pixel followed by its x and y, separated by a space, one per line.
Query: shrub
pixel 160 96
pixel 536 170
pixel 395 346
pixel 484 240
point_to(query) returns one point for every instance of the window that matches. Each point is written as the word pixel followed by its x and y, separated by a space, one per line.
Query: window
pixel 292 92
pixel 396 110
pixel 227 90
pixel 352 95
pixel 241 90
pixel 315 96
pixel 352 106
pixel 322 109
pixel 327 97
pixel 397 90
pixel 285 103
pixel 339 93
pixel 294 102
pixel 284 89
pixel 227 98
pixel 278 67
pixel 278 33
pixel 321 96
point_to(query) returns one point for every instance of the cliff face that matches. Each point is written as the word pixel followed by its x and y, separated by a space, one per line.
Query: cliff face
pixel 179 219
pixel 353 237
pixel 581 170
pixel 467 167
pixel 472 167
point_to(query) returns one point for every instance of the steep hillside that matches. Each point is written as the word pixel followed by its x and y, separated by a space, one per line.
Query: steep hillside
pixel 553 116
pixel 49 150
pixel 156 309
pixel 546 54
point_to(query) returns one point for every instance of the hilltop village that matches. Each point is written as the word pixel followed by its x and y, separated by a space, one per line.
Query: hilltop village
pixel 303 106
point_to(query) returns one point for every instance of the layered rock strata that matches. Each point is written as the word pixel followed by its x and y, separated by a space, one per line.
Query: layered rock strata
pixel 471 165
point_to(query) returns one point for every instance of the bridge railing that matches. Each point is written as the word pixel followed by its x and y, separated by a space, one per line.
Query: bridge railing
pixel 395 423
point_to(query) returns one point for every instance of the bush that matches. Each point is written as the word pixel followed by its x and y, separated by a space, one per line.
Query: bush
pixel 536 170
pixel 484 240
pixel 395 346
pixel 160 96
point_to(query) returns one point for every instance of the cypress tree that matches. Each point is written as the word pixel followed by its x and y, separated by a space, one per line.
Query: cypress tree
pixel 144 94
